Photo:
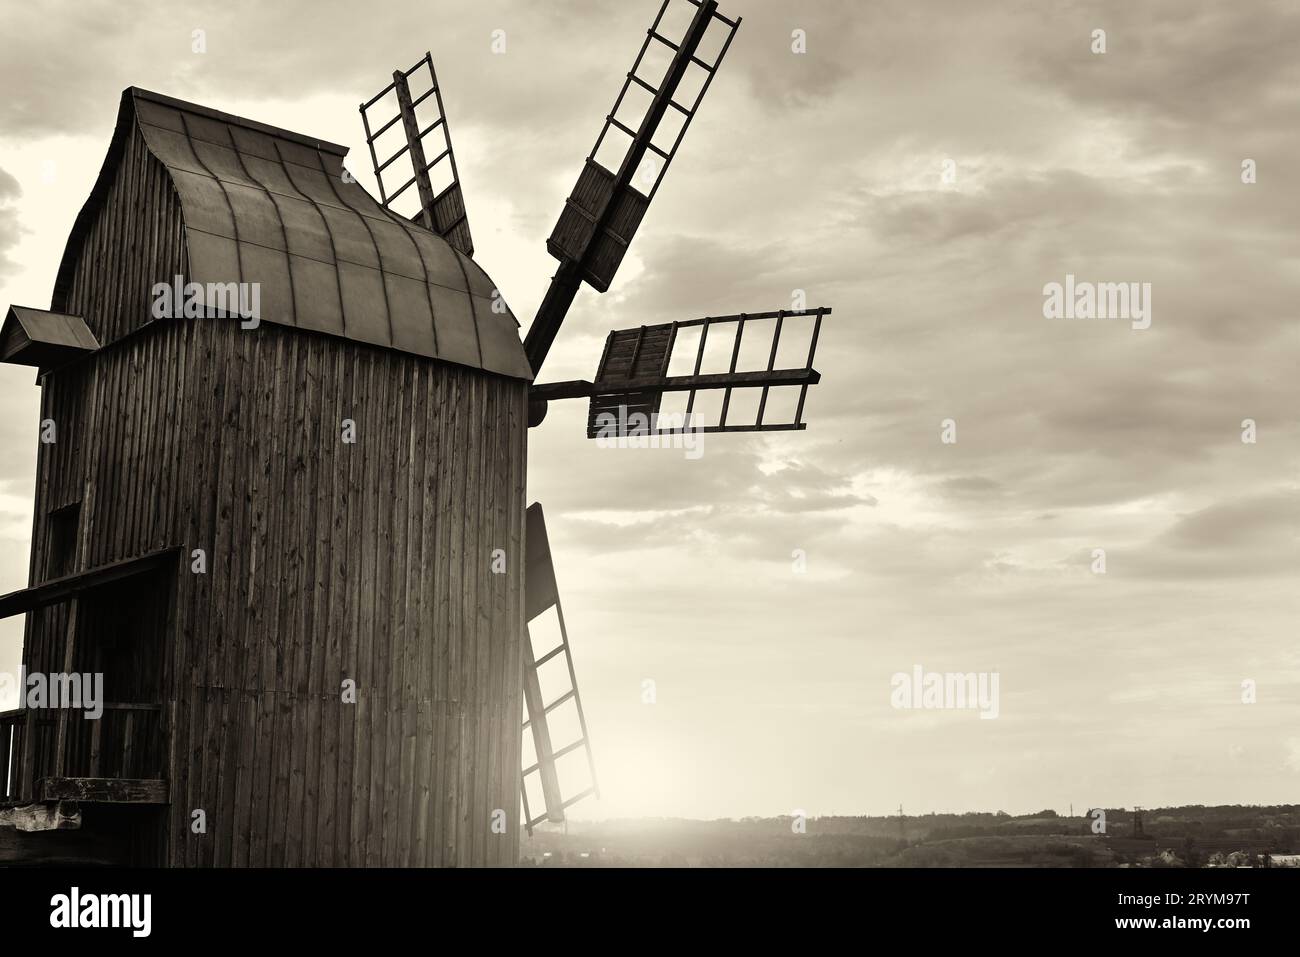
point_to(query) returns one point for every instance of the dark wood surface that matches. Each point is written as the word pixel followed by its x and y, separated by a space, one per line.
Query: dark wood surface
pixel 105 790
pixel 326 561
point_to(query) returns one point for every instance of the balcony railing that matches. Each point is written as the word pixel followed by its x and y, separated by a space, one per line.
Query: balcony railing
pixel 126 741
pixel 11 742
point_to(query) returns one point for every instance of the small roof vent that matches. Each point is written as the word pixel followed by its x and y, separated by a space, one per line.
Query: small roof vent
pixel 36 337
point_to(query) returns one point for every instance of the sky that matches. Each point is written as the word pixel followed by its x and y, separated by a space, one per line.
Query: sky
pixel 925 168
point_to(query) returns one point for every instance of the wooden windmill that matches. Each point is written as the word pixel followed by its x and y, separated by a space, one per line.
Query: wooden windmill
pixel 618 181
pixel 298 550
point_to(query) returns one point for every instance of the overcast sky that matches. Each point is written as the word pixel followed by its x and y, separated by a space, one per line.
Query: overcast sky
pixel 824 171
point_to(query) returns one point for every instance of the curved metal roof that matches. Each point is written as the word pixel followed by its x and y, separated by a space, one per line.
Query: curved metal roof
pixel 265 205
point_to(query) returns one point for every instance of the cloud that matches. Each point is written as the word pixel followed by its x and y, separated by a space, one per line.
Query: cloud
pixel 1253 537
pixel 1292 758
pixel 822 172
pixel 10 228
pixel 1178 69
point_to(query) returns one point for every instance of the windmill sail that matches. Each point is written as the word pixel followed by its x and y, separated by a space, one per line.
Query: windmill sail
pixel 440 210
pixel 541 595
pixel 602 214
pixel 634 375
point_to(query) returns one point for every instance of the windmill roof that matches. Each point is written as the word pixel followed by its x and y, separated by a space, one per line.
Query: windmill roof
pixel 266 205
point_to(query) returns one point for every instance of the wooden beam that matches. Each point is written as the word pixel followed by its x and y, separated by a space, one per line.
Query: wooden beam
pixel 550 314
pixel 569 389
pixel 106 790
pixel 712 380
pixel 412 128
pixel 61 589
pixel 582 388
pixel 809 313
pixel 541 734
pixel 58 816
pixel 85 846
pixel 564 285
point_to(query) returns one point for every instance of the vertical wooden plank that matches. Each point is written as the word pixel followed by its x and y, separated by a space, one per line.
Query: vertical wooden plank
pixel 155 402
pixel 461 634
pixel 245 651
pixel 168 529
pixel 498 716
pixel 333 565
pixel 69 650
pixel 441 618
pixel 343 616
pixel 238 808
pixel 477 571
pixel 214 726
pixel 361 533
pixel 222 523
pixel 309 488
pixel 407 602
pixel 127 762
pixel 188 843
pixel 281 552
pixel 425 847
pixel 370 784
pixel 456 778
pixel 514 666
pixel 394 420
pixel 326 823
pixel 233 627
pixel 96 739
pixel 263 756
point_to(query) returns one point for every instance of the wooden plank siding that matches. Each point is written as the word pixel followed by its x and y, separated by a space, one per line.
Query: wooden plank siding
pixel 136 241
pixel 326 561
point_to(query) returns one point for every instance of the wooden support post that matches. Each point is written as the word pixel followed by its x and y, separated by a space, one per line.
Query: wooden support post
pixel 6 731
pixel 25 763
pixel 96 738
pixel 69 650
pixel 128 744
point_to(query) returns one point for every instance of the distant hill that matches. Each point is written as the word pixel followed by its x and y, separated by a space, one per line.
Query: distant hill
pixel 1192 836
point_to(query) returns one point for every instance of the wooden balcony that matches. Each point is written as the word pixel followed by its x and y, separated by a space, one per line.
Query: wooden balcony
pixel 54 755
pixel 110 621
